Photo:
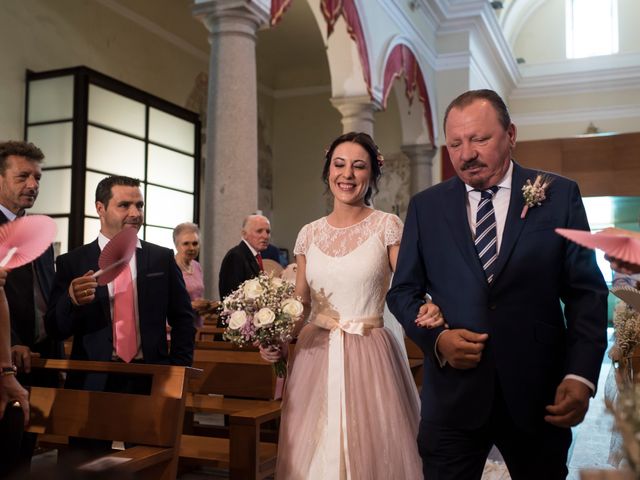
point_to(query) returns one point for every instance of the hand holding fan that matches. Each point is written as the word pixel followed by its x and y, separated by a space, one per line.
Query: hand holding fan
pixel 25 239
pixel 622 246
pixel 116 255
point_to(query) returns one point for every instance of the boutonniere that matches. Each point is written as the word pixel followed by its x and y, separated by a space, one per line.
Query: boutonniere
pixel 534 193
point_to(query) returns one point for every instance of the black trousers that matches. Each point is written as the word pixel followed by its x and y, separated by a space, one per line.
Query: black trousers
pixel 460 454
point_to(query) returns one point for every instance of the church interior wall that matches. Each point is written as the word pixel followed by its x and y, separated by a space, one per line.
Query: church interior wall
pixel 42 35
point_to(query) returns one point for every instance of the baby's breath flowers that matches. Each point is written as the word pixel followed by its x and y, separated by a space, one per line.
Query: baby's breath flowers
pixel 261 310
pixel 534 193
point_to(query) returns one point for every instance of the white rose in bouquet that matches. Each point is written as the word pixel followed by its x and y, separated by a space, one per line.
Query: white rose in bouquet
pixel 237 320
pixel 252 289
pixel 265 316
pixel 292 307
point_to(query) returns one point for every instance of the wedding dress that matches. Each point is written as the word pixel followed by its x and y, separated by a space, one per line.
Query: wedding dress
pixel 351 408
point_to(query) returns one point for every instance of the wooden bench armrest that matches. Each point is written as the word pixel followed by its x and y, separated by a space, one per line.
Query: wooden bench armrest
pixel 130 460
pixel 107 367
pixel 256 415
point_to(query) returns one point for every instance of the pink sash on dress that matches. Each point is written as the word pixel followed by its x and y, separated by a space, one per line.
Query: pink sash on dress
pixel 336 411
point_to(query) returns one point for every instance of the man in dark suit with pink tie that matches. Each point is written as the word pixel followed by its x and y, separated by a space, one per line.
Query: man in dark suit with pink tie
pixel 105 329
pixel 526 309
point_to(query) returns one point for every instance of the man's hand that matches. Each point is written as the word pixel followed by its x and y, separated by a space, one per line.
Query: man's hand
pixel 571 404
pixel 82 290
pixel 21 356
pixel 12 391
pixel 461 348
pixel 622 267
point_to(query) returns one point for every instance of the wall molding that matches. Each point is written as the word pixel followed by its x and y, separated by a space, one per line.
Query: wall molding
pixel 576 115
pixel 294 92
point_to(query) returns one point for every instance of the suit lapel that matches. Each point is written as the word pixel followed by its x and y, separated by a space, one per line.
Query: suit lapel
pixel 102 292
pixel 513 224
pixel 142 266
pixel 251 260
pixel 455 209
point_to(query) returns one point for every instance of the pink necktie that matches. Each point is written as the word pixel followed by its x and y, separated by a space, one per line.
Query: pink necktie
pixel 259 259
pixel 124 318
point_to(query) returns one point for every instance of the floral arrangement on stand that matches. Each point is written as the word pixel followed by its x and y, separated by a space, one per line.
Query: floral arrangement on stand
pixel 261 311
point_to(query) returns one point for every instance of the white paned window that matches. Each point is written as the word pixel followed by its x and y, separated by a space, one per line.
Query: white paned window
pixel 160 236
pixel 91 229
pixel 170 168
pixel 114 153
pixel 61 242
pixel 54 196
pixel 171 131
pixel 591 27
pixel 115 111
pixel 167 208
pixel 55 140
pixel 50 99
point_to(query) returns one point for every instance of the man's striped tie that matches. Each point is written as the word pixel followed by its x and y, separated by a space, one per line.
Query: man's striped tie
pixel 487 232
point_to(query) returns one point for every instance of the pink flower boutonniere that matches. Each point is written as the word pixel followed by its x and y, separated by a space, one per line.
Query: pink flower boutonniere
pixel 534 193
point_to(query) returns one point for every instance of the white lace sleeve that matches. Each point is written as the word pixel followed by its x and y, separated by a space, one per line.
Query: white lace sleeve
pixel 392 230
pixel 302 242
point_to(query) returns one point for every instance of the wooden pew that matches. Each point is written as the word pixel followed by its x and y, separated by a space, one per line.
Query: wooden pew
pixel 153 422
pixel 244 385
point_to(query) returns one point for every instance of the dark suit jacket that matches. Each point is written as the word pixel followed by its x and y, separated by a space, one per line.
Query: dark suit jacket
pixel 162 298
pixel 19 290
pixel 532 342
pixel 238 265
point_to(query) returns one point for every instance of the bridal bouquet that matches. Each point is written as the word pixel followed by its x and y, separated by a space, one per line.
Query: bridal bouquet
pixel 261 310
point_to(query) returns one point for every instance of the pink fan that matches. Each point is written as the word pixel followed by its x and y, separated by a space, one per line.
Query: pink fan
pixel 619 246
pixel 116 255
pixel 25 239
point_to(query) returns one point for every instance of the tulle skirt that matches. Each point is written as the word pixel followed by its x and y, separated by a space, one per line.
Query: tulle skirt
pixel 382 411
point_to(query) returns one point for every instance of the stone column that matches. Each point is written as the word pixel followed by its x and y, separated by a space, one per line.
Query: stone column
pixel 231 166
pixel 420 165
pixel 357 113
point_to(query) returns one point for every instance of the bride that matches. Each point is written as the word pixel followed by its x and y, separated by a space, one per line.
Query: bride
pixel 351 408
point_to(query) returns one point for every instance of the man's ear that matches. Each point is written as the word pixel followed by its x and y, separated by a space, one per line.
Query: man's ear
pixel 100 208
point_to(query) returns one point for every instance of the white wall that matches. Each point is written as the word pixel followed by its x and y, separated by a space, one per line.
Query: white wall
pixel 44 35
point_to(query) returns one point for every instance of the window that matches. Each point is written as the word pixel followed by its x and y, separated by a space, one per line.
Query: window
pixel 89 126
pixel 592 28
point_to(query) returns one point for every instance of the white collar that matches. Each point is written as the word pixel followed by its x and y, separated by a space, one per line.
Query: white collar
pixel 103 240
pixel 253 250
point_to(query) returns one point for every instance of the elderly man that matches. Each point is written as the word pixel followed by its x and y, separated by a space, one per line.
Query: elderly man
pixel 244 261
pixel 514 368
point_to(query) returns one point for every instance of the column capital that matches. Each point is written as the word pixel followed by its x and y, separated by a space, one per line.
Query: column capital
pixel 357 112
pixel 232 16
pixel 419 152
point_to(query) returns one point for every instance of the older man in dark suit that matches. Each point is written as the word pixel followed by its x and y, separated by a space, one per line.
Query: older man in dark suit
pixel 125 320
pixel 515 368
pixel 27 287
pixel 244 261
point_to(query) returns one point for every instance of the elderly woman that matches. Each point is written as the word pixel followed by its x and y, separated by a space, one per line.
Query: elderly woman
pixel 186 238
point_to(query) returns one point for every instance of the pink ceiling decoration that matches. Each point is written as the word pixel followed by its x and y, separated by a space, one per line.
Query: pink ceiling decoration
pixel 402 63
pixel 278 7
